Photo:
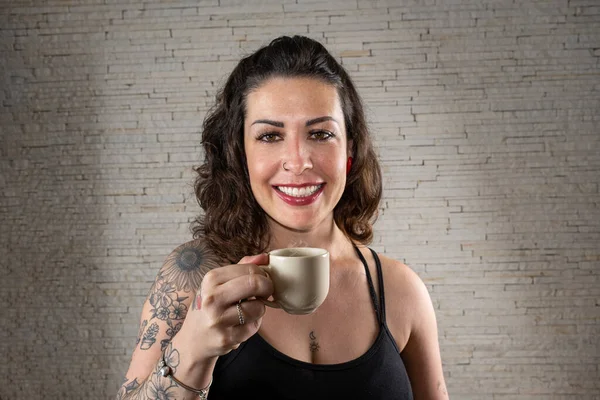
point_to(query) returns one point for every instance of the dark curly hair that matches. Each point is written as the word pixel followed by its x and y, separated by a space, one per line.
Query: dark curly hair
pixel 233 224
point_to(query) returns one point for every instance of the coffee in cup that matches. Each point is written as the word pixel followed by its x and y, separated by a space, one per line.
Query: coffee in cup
pixel 300 278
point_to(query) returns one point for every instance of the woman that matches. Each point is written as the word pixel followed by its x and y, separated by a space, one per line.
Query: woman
pixel 288 161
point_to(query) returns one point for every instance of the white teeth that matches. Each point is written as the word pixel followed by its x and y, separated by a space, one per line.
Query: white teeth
pixel 299 192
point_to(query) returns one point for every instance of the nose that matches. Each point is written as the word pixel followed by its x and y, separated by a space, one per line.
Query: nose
pixel 297 157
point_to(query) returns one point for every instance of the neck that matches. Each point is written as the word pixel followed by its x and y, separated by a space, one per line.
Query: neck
pixel 326 236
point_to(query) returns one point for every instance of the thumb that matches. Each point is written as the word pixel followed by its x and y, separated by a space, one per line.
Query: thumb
pixel 258 259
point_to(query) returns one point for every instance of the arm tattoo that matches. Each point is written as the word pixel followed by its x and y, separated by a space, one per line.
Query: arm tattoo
pixel 155 387
pixel 185 267
pixel 166 302
pixel 159 387
pixel 141 331
pixel 314 345
pixel 149 337
pixel 171 332
pixel 134 384
pixel 183 271
pixel 127 388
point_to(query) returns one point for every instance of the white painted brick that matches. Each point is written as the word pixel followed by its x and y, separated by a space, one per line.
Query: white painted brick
pixel 483 114
pixel 315 5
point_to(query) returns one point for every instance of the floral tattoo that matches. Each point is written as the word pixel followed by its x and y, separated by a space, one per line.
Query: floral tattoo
pixel 167 305
pixel 185 268
pixel 166 302
pixel 171 332
pixel 127 388
pixel 183 272
pixel 156 387
pixel 180 276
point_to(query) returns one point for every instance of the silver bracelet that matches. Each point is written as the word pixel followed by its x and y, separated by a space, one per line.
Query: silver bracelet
pixel 165 371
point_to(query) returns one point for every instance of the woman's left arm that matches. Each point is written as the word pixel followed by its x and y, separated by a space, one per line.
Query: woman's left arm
pixel 411 308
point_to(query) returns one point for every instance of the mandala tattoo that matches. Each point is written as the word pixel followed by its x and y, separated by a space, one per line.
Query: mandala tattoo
pixel 186 267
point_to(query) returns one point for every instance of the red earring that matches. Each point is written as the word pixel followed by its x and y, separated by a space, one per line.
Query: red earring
pixel 348 165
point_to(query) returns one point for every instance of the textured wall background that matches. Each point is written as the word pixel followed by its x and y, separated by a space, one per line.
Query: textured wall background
pixel 486 117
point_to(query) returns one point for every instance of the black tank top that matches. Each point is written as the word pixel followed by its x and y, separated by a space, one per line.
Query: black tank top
pixel 256 369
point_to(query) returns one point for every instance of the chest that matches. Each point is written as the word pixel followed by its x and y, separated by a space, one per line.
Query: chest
pixel 342 329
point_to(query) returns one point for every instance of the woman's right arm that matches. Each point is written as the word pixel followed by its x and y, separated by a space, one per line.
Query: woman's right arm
pixel 192 321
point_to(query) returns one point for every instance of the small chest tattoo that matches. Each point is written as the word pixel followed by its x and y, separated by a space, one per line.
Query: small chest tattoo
pixel 314 345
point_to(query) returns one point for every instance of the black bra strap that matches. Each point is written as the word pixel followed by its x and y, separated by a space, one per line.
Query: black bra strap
pixel 370 281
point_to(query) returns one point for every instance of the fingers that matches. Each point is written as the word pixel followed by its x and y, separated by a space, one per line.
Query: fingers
pixel 243 287
pixel 222 287
pixel 259 259
pixel 221 275
pixel 252 312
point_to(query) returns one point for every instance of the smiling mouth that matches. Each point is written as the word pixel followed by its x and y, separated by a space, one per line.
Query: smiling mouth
pixel 299 192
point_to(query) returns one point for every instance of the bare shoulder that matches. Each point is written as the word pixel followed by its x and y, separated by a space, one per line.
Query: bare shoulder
pixel 407 298
pixel 402 280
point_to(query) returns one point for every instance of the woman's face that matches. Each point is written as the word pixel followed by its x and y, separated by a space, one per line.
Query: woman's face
pixel 297 149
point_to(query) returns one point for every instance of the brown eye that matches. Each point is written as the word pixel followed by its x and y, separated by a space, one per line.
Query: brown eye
pixel 269 137
pixel 321 135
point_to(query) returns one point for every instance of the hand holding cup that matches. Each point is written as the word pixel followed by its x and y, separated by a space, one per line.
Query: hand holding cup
pixel 220 314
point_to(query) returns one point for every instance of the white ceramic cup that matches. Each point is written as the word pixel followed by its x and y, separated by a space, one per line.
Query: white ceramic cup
pixel 300 278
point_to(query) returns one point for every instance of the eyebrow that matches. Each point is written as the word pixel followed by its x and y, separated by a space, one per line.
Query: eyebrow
pixel 279 124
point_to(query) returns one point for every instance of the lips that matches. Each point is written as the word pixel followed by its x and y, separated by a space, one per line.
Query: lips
pixel 299 195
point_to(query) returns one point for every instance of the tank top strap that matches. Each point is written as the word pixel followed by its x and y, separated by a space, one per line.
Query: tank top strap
pixel 380 316
pixel 380 284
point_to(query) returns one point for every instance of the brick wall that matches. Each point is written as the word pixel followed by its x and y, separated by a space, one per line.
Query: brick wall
pixel 485 115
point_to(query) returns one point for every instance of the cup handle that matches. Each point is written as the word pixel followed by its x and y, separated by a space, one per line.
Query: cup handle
pixel 265 301
pixel 270 303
